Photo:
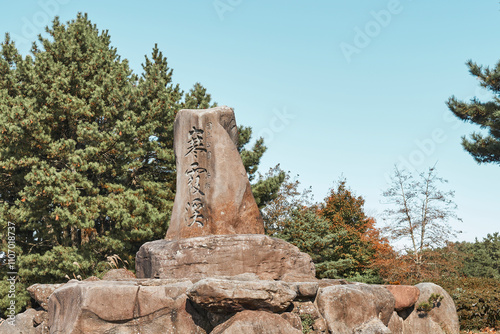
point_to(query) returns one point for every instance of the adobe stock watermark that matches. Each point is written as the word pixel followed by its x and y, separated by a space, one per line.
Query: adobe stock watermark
pixel 427 146
pixel 278 122
pixel 363 36
pixel 11 274
pixel 223 6
pixel 35 25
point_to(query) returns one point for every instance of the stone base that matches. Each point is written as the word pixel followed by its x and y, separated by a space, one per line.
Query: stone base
pixel 223 255
pixel 240 304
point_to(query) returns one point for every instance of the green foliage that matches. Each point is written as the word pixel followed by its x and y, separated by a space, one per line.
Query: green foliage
pixel 265 188
pixel 477 301
pixel 307 322
pixel 432 302
pixel 336 235
pixel 197 98
pixel 484 148
pixel 482 258
pixel 87 165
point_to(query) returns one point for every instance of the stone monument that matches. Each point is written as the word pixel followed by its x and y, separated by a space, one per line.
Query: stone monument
pixel 216 227
pixel 213 194
pixel 216 272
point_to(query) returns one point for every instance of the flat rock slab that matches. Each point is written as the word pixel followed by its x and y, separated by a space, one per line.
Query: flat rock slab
pixel 213 194
pixel 123 307
pixel 222 255
pixel 356 308
pixel 405 295
pixel 256 322
pixel 227 296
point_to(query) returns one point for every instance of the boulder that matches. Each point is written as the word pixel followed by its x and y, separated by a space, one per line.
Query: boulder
pixel 124 307
pixel 41 293
pixel 405 295
pixel 226 296
pixel 256 322
pixel 396 324
pixel 293 319
pixel 213 194
pixel 354 307
pixel 222 255
pixel 440 320
pixel 24 323
pixel 118 274
pixel 305 290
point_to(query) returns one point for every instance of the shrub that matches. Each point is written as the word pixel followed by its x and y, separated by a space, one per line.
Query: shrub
pixel 477 301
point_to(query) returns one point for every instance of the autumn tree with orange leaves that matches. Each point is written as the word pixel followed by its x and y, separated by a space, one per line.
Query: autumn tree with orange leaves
pixel 341 239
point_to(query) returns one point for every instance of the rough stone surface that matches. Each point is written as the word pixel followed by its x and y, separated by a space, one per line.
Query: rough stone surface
pixel 256 322
pixel 351 307
pixel 373 326
pixel 442 319
pixel 117 274
pixel 24 323
pixel 223 296
pixel 405 295
pixel 396 324
pixel 123 307
pixel 293 319
pixel 222 255
pixel 306 307
pixel 213 194
pixel 305 290
pixel 41 293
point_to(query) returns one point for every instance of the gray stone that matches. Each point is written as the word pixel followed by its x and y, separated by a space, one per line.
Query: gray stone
pixel 442 319
pixel 117 274
pixel 123 307
pixel 213 194
pixel 222 255
pixel 23 323
pixel 256 322
pixel 293 319
pixel 226 296
pixel 41 293
pixel 351 307
pixel 305 290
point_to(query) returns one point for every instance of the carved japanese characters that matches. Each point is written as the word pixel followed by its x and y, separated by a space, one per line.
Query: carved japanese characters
pixel 213 193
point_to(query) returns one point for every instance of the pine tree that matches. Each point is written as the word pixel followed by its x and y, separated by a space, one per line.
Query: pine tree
pixel 87 168
pixel 85 153
pixel 197 98
pixel 484 148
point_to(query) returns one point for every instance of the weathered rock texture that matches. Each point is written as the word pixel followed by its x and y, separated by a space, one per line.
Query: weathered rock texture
pixel 41 293
pixel 356 308
pixel 213 194
pixel 256 322
pixel 442 319
pixel 218 255
pixel 405 295
pixel 226 296
pixel 118 274
pixel 29 322
pixel 124 307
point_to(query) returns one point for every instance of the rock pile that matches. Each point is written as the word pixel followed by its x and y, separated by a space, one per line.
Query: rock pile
pixel 234 304
pixel 216 272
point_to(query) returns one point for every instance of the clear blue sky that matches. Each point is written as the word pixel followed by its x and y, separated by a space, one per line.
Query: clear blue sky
pixel 329 100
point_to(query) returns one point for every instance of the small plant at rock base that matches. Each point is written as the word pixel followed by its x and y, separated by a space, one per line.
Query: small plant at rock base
pixel 435 299
pixel 307 322
pixel 431 303
pixel 424 307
